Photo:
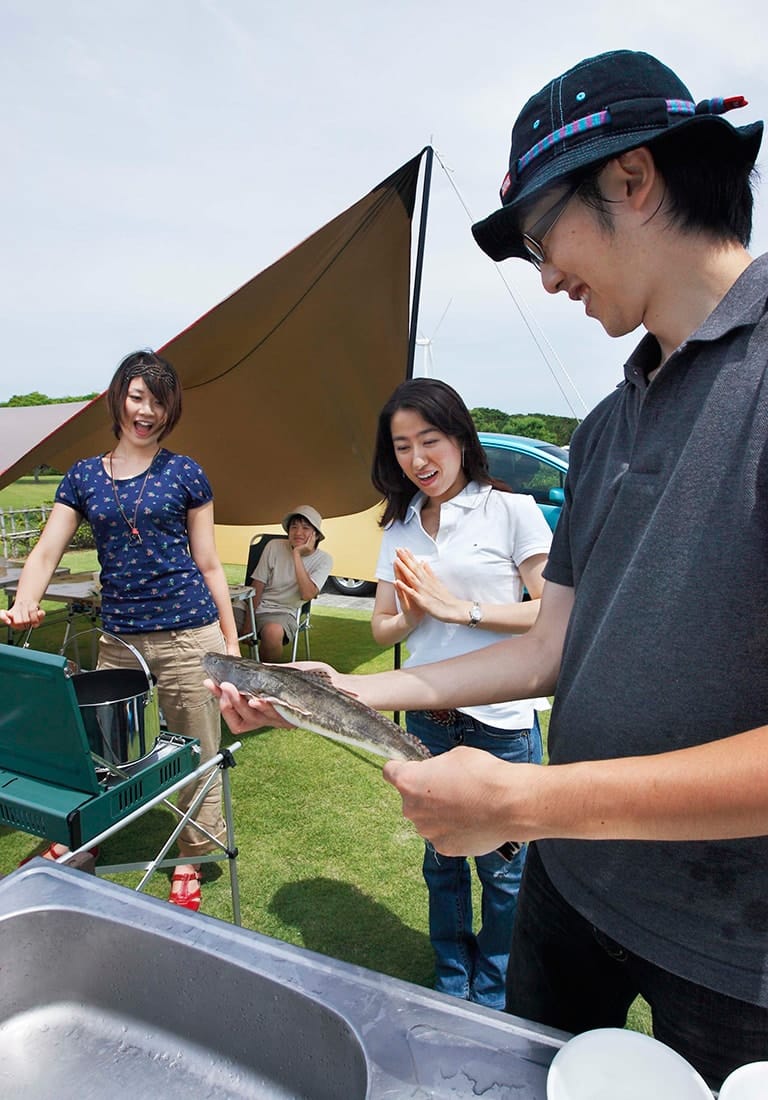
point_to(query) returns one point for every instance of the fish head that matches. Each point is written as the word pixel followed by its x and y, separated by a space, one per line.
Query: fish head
pixel 235 670
pixel 215 664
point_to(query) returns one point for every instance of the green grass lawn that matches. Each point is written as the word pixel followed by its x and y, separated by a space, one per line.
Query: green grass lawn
pixel 326 859
pixel 28 493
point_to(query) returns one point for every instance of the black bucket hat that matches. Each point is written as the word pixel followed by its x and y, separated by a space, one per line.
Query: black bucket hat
pixel 600 108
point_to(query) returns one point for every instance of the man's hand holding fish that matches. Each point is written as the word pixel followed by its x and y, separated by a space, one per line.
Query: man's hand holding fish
pixel 287 695
pixel 245 712
pixel 466 801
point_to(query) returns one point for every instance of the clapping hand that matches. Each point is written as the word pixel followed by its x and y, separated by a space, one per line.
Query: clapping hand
pixel 421 593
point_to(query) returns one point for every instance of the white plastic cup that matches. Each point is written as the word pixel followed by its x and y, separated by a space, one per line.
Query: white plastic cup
pixel 748 1082
pixel 616 1064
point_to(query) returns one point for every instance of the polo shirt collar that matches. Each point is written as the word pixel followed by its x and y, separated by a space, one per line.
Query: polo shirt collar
pixel 471 496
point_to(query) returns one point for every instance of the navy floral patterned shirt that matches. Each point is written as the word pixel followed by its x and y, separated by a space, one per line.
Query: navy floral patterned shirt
pixel 152 584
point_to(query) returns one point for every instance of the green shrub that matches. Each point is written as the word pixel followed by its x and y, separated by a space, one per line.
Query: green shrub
pixel 81 540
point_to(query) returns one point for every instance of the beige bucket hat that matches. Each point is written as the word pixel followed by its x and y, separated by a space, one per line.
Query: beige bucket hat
pixel 307 512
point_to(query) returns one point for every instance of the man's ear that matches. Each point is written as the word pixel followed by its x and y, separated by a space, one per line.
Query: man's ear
pixel 636 176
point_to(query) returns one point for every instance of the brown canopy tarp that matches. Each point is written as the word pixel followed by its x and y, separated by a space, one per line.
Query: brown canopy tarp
pixel 284 379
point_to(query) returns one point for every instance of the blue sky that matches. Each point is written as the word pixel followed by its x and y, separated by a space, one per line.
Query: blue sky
pixel 157 155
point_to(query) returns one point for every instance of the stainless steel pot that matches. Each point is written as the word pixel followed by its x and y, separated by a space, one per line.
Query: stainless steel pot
pixel 119 708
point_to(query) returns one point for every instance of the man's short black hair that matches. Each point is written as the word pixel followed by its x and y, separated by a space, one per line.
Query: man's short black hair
pixel 707 188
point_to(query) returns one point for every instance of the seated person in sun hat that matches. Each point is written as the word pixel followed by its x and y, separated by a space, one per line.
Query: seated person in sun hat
pixel 288 573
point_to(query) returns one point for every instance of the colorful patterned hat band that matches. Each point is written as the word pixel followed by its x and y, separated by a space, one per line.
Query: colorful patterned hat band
pixel 717 106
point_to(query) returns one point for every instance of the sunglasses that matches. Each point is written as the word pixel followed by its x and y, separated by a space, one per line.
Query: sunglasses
pixel 533 241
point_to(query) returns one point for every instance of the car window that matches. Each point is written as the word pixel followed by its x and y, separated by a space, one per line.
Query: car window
pixel 524 473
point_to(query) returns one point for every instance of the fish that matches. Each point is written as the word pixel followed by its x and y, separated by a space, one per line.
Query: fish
pixel 310 700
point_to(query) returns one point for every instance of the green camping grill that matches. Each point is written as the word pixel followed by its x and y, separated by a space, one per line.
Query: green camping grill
pixel 54 784
pixel 49 782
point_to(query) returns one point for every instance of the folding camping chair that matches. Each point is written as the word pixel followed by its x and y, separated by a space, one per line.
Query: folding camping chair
pixel 303 613
pixel 243 594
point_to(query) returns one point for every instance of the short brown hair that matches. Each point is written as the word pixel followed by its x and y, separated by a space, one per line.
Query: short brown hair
pixel 161 381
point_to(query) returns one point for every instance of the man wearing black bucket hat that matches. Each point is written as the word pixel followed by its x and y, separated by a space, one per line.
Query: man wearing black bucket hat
pixel 636 202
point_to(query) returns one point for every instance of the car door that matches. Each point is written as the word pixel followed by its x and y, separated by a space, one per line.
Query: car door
pixel 531 473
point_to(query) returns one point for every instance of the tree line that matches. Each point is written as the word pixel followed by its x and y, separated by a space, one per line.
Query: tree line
pixel 548 428
pixel 37 398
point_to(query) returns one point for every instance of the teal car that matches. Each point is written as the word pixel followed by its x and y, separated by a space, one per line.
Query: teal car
pixel 529 466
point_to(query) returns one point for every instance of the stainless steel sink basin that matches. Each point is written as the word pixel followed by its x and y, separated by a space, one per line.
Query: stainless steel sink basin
pixel 131 1011
pixel 109 993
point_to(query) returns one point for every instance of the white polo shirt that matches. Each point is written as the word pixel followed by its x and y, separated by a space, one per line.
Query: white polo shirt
pixel 484 536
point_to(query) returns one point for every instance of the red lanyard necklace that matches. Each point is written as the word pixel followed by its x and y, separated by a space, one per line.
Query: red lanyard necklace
pixel 134 535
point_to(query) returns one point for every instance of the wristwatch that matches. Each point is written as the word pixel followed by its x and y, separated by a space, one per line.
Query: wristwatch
pixel 475 614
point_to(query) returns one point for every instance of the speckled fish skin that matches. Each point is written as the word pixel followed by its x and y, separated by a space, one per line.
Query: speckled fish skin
pixel 309 700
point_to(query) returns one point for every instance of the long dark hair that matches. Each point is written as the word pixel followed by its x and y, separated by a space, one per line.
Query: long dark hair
pixel 161 380
pixel 443 409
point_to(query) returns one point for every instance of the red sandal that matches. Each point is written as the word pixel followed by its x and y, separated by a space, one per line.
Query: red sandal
pixel 186 898
pixel 52 854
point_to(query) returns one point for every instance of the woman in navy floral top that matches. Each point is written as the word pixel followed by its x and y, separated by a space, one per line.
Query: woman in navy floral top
pixel 162 586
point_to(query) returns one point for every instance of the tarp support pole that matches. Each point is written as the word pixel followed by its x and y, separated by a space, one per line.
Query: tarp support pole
pixel 419 259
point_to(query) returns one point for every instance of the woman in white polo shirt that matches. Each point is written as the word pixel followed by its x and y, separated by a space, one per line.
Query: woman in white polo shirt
pixel 458 551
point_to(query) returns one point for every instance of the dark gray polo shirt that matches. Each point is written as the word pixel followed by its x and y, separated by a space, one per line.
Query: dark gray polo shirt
pixel 664 537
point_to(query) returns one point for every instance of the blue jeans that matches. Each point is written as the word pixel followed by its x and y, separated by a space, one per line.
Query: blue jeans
pixel 566 973
pixel 468 965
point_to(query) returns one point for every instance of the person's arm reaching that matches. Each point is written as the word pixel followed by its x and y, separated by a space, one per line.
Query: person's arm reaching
pixel 518 668
pixel 40 567
pixel 467 802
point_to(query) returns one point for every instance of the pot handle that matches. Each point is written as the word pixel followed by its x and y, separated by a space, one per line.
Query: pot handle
pixel 117 638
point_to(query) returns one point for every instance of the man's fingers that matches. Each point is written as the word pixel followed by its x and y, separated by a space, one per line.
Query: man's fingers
pixel 213 687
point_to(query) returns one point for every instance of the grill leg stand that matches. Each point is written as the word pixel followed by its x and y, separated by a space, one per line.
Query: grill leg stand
pixel 223 760
pixel 234 884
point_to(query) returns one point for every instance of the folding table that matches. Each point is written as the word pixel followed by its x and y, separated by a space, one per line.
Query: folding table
pixel 78 593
